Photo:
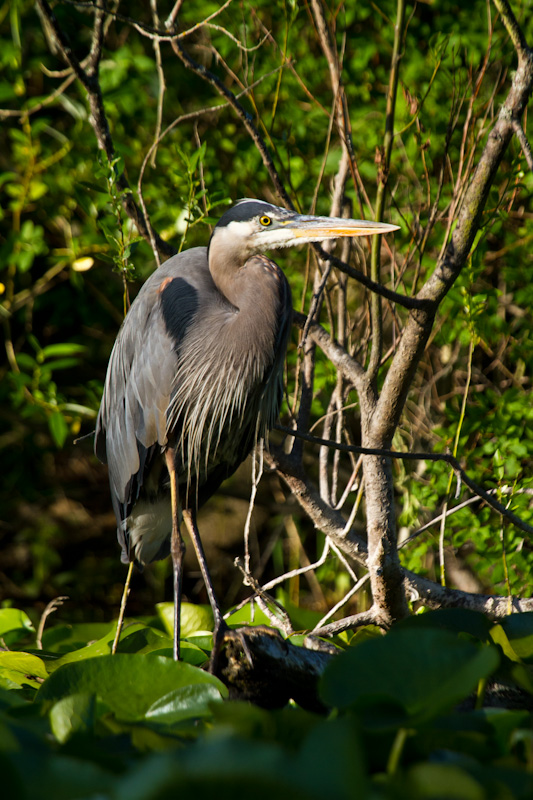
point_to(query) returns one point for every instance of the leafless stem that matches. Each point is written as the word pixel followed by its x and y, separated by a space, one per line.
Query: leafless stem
pixel 52 606
pixel 98 118
pixel 524 143
pixel 370 617
pixel 375 303
pixel 447 457
pixel 244 117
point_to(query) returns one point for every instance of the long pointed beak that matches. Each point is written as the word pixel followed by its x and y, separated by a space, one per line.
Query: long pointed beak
pixel 308 227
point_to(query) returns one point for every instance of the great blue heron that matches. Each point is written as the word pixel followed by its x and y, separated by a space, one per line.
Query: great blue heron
pixel 195 378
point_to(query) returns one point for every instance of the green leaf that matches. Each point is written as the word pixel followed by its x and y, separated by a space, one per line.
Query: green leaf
pixel 134 637
pixel 194 618
pixel 519 630
pixel 14 621
pixel 407 676
pixel 245 616
pixel 184 703
pixel 63 349
pixel 58 428
pixel 128 684
pixel 21 668
pixel 66 638
pixel 72 714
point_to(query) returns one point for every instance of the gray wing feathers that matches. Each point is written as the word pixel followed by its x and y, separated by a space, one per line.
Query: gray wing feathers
pixel 138 386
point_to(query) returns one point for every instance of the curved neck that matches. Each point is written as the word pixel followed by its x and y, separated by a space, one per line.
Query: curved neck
pixel 259 292
pixel 226 261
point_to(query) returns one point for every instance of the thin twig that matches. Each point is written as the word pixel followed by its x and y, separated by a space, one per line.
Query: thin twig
pixel 446 457
pixel 98 119
pixel 348 596
pixel 162 83
pixel 524 143
pixel 52 606
pixel 257 473
pixel 369 617
pixel 376 318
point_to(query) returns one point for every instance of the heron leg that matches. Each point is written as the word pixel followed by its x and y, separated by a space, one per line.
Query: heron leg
pixel 220 626
pixel 177 549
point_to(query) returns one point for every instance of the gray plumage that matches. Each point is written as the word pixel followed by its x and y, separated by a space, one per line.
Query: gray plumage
pixel 196 373
pixel 192 369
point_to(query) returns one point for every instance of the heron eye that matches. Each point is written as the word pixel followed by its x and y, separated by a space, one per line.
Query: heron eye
pixel 265 221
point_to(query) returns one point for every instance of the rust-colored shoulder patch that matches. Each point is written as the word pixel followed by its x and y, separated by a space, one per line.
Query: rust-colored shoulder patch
pixel 164 284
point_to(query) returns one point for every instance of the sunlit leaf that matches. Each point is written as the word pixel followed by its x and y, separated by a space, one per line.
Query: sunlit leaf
pixel 22 668
pixel 12 620
pixel 194 618
pixel 128 684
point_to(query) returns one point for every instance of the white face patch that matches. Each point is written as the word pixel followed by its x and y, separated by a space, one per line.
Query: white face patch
pixel 274 228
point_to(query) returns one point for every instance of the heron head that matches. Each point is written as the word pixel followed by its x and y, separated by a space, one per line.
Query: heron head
pixel 253 226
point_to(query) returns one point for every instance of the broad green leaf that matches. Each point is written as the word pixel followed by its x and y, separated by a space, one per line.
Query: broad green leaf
pixel 64 638
pixel 128 684
pixel 194 618
pixel 72 714
pixel 519 631
pixel 64 777
pixel 202 641
pixel 326 763
pixel 135 637
pixel 15 622
pixel 248 617
pixel 303 619
pixel 22 668
pixel 364 634
pixel 504 724
pixel 183 703
pixel 190 653
pixel 138 638
pixel 416 674
pixel 499 637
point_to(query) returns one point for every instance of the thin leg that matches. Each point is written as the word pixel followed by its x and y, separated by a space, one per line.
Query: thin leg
pixel 122 611
pixel 177 550
pixel 220 626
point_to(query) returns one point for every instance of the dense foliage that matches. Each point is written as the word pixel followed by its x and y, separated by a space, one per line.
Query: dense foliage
pixel 70 261
pixel 138 725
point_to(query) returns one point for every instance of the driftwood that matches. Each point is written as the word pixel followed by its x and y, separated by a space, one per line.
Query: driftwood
pixel 258 665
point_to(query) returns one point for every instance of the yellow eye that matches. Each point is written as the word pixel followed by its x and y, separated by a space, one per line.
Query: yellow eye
pixel 264 220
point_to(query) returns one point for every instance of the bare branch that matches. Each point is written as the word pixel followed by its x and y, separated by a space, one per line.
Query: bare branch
pixel 447 457
pixel 417 331
pixel 524 143
pixel 370 617
pixel 222 89
pixel 368 283
pixel 513 29
pixel 98 120
pixel 375 302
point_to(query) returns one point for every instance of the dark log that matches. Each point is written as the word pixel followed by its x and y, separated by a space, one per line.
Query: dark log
pixel 258 665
